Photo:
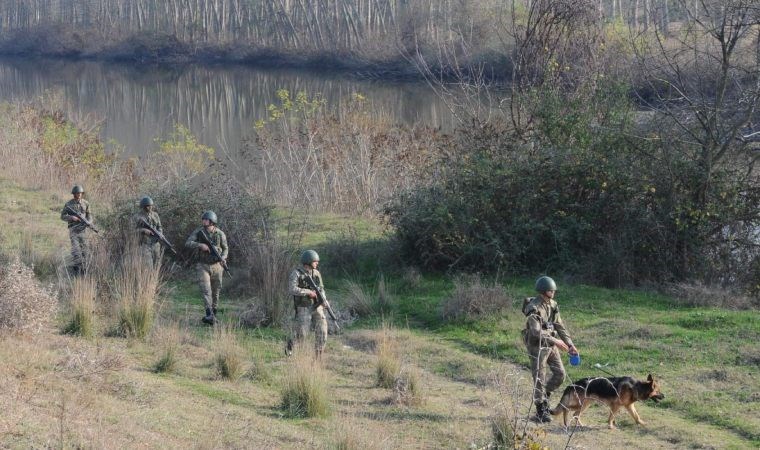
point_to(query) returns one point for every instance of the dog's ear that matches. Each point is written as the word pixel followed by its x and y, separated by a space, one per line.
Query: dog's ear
pixel 650 379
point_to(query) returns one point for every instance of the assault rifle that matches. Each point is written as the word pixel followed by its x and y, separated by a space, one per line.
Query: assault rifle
pixel 321 300
pixel 161 238
pixel 215 252
pixel 81 218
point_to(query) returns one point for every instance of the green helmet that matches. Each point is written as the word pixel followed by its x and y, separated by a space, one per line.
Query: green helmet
pixel 309 256
pixel 146 201
pixel 545 283
pixel 77 189
pixel 210 215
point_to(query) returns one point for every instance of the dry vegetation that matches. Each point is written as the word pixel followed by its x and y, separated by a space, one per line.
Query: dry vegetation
pixel 25 304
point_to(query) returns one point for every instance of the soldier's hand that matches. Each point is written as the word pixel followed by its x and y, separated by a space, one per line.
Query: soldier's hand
pixel 147 231
pixel 203 247
pixel 312 294
pixel 572 350
pixel 75 219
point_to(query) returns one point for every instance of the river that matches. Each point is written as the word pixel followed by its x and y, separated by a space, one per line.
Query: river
pixel 137 104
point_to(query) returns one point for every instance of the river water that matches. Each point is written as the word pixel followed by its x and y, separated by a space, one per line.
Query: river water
pixel 137 104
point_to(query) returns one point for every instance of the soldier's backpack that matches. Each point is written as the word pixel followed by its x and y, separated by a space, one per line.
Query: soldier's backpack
pixel 527 306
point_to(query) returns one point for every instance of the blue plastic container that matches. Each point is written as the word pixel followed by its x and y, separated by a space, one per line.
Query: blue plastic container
pixel 575 360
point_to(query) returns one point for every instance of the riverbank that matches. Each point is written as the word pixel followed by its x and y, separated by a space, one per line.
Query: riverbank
pixel 161 49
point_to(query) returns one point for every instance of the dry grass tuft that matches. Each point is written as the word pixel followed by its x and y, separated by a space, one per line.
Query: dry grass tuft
pixel 272 260
pixel 169 340
pixel 472 298
pixel 83 294
pixel 385 298
pixel 303 392
pixel 346 434
pixel 229 359
pixel 135 286
pixel 388 365
pixel 26 306
pixel 408 389
pixel 358 301
pixel 411 277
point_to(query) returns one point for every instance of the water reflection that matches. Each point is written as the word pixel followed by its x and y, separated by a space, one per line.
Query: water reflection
pixel 140 103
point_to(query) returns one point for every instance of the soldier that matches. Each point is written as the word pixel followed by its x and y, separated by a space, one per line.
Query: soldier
pixel 208 268
pixel 150 247
pixel 307 312
pixel 544 334
pixel 79 250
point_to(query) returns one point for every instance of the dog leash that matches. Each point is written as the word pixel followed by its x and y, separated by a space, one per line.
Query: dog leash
pixel 600 367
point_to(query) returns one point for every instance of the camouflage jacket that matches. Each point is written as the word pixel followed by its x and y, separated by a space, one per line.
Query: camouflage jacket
pixel 218 238
pixel 544 325
pixel 83 207
pixel 298 287
pixel 154 220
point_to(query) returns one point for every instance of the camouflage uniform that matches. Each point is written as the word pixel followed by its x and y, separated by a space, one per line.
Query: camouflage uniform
pixel 79 250
pixel 208 270
pixel 543 328
pixel 150 246
pixel 306 315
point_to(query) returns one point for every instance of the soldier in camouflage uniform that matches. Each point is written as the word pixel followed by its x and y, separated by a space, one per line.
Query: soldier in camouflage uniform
pixel 307 313
pixel 544 335
pixel 208 269
pixel 79 250
pixel 150 247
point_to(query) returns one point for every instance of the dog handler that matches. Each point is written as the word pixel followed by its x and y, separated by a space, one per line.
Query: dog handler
pixel 543 335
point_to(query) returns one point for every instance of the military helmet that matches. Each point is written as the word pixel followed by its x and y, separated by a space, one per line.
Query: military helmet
pixel 77 189
pixel 210 215
pixel 545 283
pixel 309 256
pixel 146 201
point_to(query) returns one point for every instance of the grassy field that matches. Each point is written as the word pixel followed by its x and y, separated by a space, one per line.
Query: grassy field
pixel 68 392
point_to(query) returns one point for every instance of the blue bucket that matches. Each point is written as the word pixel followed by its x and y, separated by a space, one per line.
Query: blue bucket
pixel 575 360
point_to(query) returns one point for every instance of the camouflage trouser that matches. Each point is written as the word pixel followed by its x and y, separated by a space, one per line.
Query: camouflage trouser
pixel 304 319
pixel 210 282
pixel 151 253
pixel 540 358
pixel 78 247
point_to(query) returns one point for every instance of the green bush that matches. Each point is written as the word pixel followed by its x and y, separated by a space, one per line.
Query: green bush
pixel 586 195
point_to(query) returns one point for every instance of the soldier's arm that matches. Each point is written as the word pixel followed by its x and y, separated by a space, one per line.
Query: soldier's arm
pixel 192 240
pixel 293 288
pixel 64 214
pixel 559 326
pixel 534 327
pixel 223 245
pixel 87 214
pixel 158 224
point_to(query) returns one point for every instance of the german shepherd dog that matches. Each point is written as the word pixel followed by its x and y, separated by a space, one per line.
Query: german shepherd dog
pixel 613 392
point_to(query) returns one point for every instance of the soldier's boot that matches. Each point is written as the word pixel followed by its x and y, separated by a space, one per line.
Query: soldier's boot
pixel 289 347
pixel 542 412
pixel 214 310
pixel 209 319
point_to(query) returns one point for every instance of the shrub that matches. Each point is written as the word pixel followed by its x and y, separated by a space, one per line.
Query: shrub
pixel 472 299
pixel 388 365
pixel 83 294
pixel 228 355
pixel 304 387
pixel 26 305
